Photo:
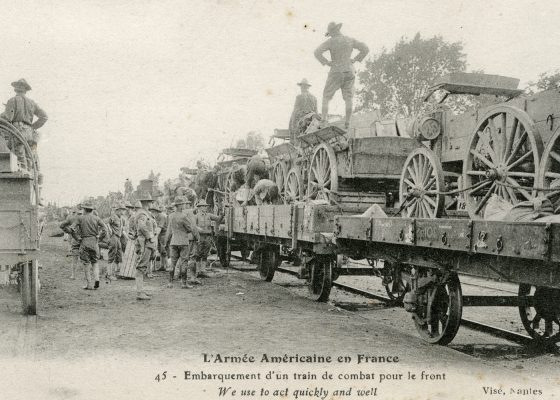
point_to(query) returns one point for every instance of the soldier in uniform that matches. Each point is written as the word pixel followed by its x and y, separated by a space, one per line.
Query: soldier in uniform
pixel 66 227
pixel 161 220
pixel 145 243
pixel 305 103
pixel 88 228
pixel 115 250
pixel 181 234
pixel 20 111
pixel 342 74
pixel 204 221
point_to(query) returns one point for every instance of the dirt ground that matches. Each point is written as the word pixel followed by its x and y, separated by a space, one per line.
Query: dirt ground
pixel 106 344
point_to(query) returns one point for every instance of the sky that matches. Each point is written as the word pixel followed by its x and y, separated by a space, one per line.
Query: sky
pixel 134 86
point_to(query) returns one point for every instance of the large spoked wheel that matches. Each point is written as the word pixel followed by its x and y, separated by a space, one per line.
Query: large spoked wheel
pixel 541 317
pixel 502 158
pixel 422 185
pixel 439 316
pixel 323 173
pixel 549 171
pixel 279 174
pixel 320 280
pixel 294 186
pixel 269 260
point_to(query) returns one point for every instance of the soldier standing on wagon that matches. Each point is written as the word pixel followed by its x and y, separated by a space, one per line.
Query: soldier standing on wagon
pixel 181 235
pixel 20 111
pixel 89 229
pixel 305 103
pixel 204 221
pixel 342 74
pixel 145 244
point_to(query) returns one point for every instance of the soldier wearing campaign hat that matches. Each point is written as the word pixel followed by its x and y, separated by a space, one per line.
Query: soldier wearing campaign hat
pixel 88 228
pixel 20 111
pixel 115 249
pixel 181 235
pixel 342 74
pixel 145 243
pixel 161 221
pixel 66 227
pixel 305 104
pixel 204 222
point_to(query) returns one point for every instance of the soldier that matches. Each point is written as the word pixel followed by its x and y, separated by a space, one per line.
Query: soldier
pixel 20 111
pixel 66 227
pixel 89 228
pixel 256 169
pixel 115 250
pixel 145 243
pixel 161 220
pixel 342 74
pixel 305 103
pixel 204 221
pixel 181 235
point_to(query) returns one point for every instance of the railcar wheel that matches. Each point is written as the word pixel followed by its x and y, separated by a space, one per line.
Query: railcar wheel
pixel 549 170
pixel 294 186
pixel 439 315
pixel 323 173
pixel 269 260
pixel 502 158
pixel 319 281
pixel 541 318
pixel 422 184
pixel 279 175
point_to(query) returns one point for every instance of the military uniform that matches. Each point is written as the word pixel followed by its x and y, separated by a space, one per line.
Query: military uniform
pixel 146 239
pixel 180 234
pixel 266 192
pixel 305 104
pixel 89 228
pixel 66 227
pixel 204 221
pixel 20 111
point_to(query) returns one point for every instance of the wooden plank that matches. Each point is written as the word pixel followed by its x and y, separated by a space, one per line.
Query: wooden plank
pixel 33 287
pixel 128 269
pixel 26 287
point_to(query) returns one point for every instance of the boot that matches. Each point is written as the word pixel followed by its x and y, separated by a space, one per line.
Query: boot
pixel 96 275
pixel 140 293
pixel 193 280
pixel 87 272
pixel 202 272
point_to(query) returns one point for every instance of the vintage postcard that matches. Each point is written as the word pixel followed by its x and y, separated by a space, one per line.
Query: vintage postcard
pixel 260 200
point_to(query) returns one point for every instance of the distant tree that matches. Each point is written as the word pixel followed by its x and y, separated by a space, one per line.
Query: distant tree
pixel 395 81
pixel 253 140
pixel 154 178
pixel 546 80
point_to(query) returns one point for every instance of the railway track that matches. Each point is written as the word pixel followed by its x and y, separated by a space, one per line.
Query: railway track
pixel 474 325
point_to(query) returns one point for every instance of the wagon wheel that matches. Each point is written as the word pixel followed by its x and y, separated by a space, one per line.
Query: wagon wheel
pixel 549 170
pixel 422 184
pixel 269 260
pixel 319 281
pixel 439 315
pixel 294 186
pixel 502 158
pixel 323 173
pixel 279 173
pixel 541 317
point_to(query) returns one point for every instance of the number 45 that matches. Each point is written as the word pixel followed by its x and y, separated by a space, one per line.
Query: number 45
pixel 161 377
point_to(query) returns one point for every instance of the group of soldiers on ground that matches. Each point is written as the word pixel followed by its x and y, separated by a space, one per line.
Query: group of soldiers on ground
pixel 181 238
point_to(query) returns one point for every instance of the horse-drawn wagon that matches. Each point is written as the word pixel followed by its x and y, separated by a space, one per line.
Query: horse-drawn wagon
pixel 19 221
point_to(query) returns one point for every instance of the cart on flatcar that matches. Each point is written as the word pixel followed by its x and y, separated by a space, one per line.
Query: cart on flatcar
pixel 19 220
pixel 509 148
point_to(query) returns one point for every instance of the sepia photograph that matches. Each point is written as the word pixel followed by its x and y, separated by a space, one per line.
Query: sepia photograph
pixel 269 200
